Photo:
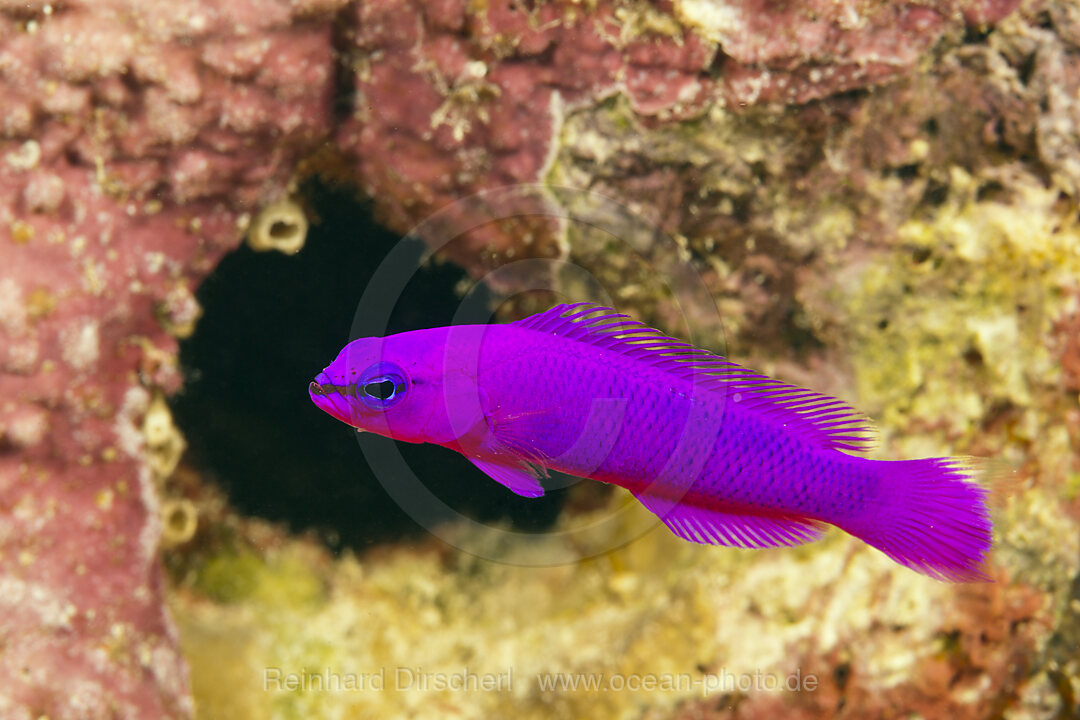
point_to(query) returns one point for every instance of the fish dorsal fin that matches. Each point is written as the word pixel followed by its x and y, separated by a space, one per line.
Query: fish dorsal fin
pixel 816 417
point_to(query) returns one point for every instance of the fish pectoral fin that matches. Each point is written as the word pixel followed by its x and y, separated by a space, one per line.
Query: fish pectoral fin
pixel 521 478
pixel 734 529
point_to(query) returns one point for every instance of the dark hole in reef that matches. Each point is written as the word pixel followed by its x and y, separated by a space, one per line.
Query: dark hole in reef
pixel 976 34
pixel 841 675
pixel 527 6
pixel 177 519
pixel 273 321
pixel 936 193
pixel 718 65
pixel 282 229
pixel 759 171
pixel 907 172
pixel 343 42
pixel 991 191
pixel 1003 137
pixel 798 332
pixel 999 414
pixel 1026 70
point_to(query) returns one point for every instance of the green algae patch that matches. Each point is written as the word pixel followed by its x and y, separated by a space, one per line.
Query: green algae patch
pixel 230 578
pixel 222 658
pixel 242 617
pixel 949 323
pixel 1072 486
pixel 305 635
pixel 243 576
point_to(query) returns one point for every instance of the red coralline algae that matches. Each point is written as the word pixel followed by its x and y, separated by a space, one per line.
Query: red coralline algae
pixel 1067 346
pixel 137 139
pixel 454 98
pixel 451 101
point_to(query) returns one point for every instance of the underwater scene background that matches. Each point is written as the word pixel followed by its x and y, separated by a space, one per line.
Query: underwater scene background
pixel 201 203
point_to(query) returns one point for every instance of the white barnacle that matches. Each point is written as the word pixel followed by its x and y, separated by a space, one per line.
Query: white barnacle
pixel 280 226
pixel 179 520
pixel 164 442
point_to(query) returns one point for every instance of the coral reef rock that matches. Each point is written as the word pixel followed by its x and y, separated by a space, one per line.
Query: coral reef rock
pixel 881 197
pixel 137 141
pixel 455 97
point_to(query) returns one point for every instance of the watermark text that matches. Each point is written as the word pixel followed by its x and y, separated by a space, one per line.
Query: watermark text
pixel 276 679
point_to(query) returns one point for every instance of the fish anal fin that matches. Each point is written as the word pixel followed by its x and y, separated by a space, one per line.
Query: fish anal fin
pixel 716 527
pixel 521 478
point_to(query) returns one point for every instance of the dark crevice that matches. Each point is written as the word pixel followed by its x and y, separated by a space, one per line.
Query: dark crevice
pixel 841 675
pixel 271 323
pixel 907 172
pixel 800 337
pixel 343 42
pixel 1027 69
pixel 992 191
pixel 936 193
pixel 718 66
pixel 976 34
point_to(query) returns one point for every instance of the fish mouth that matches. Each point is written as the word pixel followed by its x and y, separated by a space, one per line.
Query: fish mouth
pixel 317 387
pixel 328 398
pixel 321 386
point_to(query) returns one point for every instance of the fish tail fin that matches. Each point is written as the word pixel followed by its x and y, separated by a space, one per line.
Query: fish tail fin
pixel 934 516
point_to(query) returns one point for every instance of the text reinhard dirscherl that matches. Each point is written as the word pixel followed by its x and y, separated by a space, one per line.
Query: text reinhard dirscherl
pixel 328 680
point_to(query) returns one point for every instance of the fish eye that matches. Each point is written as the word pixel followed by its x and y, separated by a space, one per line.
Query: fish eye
pixel 381 389
pixel 382 385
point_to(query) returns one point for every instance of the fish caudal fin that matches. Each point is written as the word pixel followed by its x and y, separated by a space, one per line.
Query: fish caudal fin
pixel 933 517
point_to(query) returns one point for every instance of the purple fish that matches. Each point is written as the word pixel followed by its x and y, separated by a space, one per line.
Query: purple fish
pixel 719 453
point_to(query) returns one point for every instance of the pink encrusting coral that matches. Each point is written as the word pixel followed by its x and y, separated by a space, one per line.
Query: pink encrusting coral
pixel 137 140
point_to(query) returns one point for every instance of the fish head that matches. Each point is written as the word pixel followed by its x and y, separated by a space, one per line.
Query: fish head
pixel 417 386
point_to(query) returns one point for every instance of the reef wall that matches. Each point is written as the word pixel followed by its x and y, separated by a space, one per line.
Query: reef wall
pixel 880 197
pixel 138 141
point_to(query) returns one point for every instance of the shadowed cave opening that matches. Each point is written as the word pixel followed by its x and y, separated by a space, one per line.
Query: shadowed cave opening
pixel 270 323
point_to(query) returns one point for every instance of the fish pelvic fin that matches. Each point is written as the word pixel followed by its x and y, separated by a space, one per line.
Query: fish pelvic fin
pixel 734 529
pixel 934 516
pixel 521 478
pixel 509 457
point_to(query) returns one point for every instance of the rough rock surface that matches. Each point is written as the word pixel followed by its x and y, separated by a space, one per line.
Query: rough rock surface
pixel 920 157
pixel 453 98
pixel 137 139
